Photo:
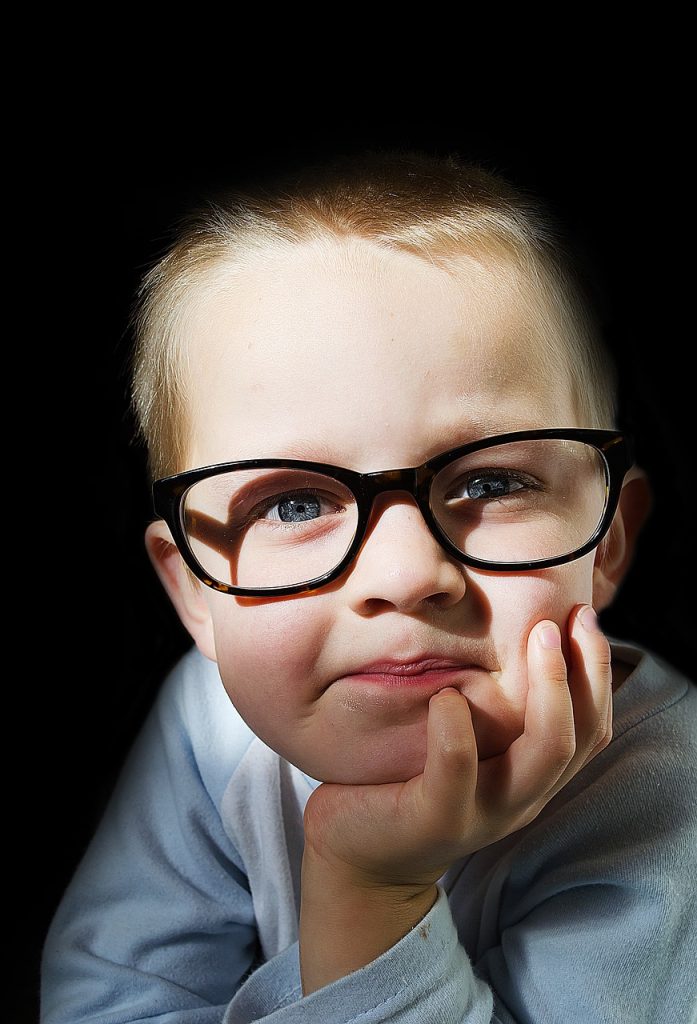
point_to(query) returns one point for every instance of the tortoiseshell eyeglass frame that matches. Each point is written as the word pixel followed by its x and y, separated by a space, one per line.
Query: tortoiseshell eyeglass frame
pixel 616 448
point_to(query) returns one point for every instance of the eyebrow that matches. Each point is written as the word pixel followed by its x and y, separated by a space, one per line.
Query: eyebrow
pixel 308 451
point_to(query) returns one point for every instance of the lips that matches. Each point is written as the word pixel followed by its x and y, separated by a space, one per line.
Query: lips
pixel 410 668
pixel 427 676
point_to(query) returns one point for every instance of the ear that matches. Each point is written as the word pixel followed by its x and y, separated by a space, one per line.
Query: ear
pixel 186 594
pixel 616 551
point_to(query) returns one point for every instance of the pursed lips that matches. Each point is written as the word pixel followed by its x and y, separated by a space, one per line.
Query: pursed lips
pixel 426 671
pixel 410 667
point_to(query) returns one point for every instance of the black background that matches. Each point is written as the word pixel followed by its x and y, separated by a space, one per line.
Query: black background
pixel 108 635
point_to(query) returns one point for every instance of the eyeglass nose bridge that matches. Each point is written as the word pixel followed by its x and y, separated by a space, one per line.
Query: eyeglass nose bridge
pixel 409 480
pixel 414 481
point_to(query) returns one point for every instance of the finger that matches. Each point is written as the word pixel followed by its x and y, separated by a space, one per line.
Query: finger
pixel 450 773
pixel 590 686
pixel 529 769
pixel 590 683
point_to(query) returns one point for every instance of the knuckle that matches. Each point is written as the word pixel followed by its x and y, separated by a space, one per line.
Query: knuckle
pixel 605 655
pixel 554 667
pixel 605 733
pixel 454 753
pixel 556 672
pixel 603 739
pixel 602 650
pixel 598 742
pixel 523 814
pixel 558 681
pixel 530 813
pixel 560 751
pixel 597 735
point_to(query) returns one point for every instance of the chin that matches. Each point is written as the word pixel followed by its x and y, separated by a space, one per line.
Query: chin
pixel 375 771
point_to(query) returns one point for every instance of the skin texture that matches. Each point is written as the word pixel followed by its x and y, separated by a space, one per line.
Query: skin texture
pixel 345 354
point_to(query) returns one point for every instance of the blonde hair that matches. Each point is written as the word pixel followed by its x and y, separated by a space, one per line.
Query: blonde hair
pixel 439 209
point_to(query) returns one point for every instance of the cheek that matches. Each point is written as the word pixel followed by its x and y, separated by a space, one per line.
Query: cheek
pixel 514 604
pixel 266 653
pixel 261 636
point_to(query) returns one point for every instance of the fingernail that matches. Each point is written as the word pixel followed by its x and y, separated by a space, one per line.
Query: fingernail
pixel 589 620
pixel 550 637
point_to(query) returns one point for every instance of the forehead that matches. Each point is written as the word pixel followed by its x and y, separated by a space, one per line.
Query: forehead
pixel 347 353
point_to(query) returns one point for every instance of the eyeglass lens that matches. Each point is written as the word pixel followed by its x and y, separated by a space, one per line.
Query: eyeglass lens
pixel 516 502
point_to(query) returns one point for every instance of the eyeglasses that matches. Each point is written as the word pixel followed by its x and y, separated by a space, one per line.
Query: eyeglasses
pixel 524 500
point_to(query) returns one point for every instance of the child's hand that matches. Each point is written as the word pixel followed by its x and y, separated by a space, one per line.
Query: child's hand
pixel 408 834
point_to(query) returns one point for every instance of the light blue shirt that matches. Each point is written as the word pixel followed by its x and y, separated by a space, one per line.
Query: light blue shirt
pixel 185 907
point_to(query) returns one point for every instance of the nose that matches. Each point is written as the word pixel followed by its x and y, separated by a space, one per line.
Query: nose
pixel 400 563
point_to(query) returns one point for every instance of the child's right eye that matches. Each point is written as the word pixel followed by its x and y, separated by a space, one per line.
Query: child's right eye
pixel 296 507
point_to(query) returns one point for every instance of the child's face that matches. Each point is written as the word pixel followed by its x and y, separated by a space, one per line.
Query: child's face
pixel 373 363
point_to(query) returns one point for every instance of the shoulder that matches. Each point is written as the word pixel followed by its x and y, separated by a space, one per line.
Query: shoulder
pixel 637 795
pixel 628 819
pixel 194 713
pixel 649 769
pixel 655 709
pixel 193 710
pixel 630 812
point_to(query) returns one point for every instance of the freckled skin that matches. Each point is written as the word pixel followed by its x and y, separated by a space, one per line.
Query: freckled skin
pixel 373 360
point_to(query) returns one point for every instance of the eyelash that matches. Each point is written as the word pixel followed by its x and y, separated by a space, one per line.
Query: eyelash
pixel 264 506
pixel 527 483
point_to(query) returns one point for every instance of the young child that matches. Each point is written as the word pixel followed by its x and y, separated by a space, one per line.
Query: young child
pixel 401 775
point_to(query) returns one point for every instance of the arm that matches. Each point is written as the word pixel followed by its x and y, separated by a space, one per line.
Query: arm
pixel 589 913
pixel 374 854
pixel 158 923
pixel 426 978
pixel 158 919
pixel 399 839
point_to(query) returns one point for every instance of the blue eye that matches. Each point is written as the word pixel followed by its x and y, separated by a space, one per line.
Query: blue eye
pixel 294 507
pixel 492 485
pixel 297 509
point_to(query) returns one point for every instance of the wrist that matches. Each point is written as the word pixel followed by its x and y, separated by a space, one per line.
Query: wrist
pixel 347 920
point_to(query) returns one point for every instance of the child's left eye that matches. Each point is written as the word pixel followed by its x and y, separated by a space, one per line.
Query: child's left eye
pixel 488 485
